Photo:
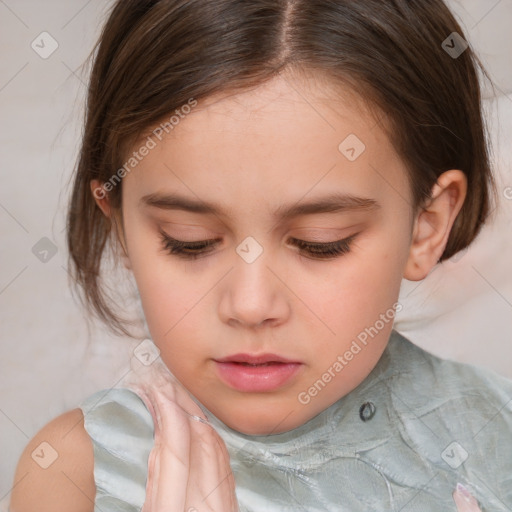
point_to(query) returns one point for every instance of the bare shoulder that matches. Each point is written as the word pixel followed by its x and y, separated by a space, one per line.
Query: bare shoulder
pixel 56 469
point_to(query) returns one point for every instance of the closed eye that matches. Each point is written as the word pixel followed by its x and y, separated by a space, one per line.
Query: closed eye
pixel 325 250
pixel 315 250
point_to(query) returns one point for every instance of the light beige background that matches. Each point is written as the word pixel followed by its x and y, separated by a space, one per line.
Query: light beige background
pixel 463 310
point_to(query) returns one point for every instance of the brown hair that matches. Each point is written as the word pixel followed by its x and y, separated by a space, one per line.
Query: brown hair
pixel 153 56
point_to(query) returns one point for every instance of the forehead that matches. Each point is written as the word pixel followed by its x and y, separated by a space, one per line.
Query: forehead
pixel 281 100
pixel 288 136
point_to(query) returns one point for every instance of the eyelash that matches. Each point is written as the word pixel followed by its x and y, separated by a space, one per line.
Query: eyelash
pixel 327 250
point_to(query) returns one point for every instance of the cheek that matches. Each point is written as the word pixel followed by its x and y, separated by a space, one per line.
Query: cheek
pixel 355 290
pixel 172 311
pixel 159 282
pixel 176 307
pixel 168 299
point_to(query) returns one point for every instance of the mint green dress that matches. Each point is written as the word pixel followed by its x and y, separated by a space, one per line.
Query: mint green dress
pixel 399 442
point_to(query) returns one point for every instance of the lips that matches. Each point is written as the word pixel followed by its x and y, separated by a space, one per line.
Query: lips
pixel 255 359
pixel 256 373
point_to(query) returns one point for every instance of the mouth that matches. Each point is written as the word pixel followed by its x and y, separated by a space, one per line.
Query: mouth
pixel 255 359
pixel 256 364
pixel 256 373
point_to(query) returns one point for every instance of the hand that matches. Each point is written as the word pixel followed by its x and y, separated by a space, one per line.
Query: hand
pixel 188 467
pixel 464 501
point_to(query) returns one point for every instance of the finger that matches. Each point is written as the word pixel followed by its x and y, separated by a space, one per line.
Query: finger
pixel 152 480
pixel 154 456
pixel 211 480
pixel 211 483
pixel 181 396
pixel 207 480
pixel 464 500
pixel 172 457
pixel 228 482
pixel 205 475
pixel 226 472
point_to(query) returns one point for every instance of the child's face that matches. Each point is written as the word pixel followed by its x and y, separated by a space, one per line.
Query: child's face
pixel 253 156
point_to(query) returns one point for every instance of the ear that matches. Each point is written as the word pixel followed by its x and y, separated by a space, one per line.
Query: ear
pixel 102 200
pixel 433 224
pixel 100 196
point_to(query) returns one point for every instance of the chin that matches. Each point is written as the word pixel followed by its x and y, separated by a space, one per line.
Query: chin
pixel 263 423
pixel 257 428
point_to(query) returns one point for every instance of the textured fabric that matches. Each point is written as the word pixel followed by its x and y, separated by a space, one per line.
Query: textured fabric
pixel 400 441
pixel 121 429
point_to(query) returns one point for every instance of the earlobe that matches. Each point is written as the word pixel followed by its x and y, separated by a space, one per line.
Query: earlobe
pixel 433 224
pixel 102 200
pixel 100 196
pixel 119 233
pixel 126 260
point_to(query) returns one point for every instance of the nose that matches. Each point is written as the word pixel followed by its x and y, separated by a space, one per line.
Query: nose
pixel 254 294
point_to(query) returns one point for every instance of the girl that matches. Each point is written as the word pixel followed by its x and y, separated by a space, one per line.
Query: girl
pixel 269 172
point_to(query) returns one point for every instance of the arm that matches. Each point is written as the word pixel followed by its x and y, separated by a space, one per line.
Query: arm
pixel 67 484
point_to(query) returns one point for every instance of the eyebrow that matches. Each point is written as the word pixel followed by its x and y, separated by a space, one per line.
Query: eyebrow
pixel 332 203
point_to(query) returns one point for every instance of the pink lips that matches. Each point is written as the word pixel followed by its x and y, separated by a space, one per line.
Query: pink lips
pixel 256 373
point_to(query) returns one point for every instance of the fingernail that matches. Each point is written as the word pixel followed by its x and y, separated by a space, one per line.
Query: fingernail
pixel 463 490
pixel 197 418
